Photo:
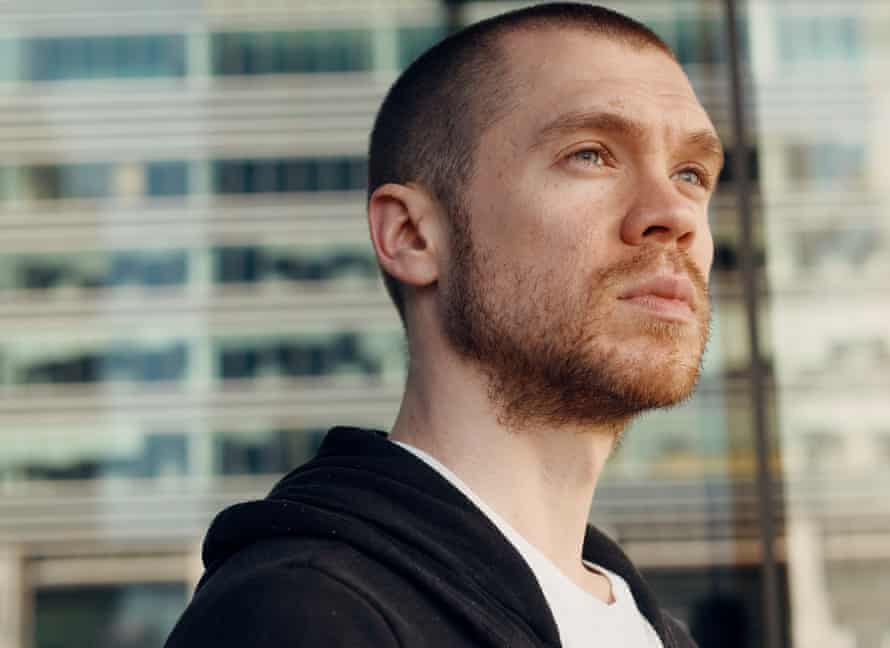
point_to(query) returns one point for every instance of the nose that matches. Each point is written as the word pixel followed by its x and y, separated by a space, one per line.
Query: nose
pixel 661 214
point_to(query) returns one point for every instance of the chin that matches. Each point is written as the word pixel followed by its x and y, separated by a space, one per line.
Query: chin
pixel 666 386
pixel 649 376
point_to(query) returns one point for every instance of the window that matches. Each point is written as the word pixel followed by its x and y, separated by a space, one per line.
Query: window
pixel 814 39
pixel 248 264
pixel 123 616
pixel 131 362
pixel 126 450
pixel 96 180
pixel 103 57
pixel 832 248
pixel 828 165
pixel 266 451
pixel 54 182
pixel 291 52
pixel 167 178
pixel 365 354
pixel 105 269
pixel 289 175
pixel 171 178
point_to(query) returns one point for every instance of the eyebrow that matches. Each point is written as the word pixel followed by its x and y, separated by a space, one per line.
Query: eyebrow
pixel 705 140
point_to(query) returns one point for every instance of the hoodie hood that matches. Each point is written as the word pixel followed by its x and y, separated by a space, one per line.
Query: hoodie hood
pixel 363 490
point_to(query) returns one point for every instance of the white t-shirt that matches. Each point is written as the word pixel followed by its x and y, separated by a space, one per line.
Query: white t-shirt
pixel 581 617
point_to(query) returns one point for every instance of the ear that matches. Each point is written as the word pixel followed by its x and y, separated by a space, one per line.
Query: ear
pixel 405 229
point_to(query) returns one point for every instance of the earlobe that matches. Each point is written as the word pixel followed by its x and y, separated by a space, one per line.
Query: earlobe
pixel 403 232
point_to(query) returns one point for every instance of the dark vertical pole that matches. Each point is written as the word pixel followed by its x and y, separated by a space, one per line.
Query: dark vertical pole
pixel 751 284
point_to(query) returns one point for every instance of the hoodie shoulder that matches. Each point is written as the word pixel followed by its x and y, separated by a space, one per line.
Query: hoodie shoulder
pixel 275 605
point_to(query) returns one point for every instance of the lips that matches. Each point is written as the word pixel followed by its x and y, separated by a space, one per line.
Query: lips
pixel 668 287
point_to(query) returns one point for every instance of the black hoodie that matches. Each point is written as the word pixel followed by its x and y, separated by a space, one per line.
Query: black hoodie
pixel 366 545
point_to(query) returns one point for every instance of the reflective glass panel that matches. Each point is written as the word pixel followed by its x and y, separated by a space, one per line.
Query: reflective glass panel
pixel 98 57
pixel 128 616
pixel 821 97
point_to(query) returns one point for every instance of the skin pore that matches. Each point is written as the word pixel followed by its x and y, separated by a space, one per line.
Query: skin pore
pixel 527 358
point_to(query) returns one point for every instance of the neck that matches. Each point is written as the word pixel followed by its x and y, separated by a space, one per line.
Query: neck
pixel 541 480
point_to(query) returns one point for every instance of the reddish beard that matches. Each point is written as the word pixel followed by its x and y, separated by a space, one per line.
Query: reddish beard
pixel 555 358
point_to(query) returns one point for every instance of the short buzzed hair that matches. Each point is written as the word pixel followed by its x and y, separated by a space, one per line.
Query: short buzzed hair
pixel 432 118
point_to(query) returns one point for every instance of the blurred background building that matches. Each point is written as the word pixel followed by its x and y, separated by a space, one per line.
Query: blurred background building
pixel 188 299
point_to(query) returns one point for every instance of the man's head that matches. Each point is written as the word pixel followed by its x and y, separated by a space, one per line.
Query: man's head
pixel 539 187
pixel 428 128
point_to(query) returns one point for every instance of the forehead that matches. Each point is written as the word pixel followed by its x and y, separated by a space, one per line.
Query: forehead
pixel 558 71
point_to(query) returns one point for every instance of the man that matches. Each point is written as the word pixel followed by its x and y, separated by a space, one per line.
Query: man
pixel 538 198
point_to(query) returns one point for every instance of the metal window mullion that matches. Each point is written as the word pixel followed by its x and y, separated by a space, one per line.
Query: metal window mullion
pixel 765 490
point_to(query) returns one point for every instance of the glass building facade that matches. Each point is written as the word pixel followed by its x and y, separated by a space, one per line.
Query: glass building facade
pixel 190 299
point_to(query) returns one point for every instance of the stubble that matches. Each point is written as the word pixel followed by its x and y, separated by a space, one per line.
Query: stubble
pixel 555 354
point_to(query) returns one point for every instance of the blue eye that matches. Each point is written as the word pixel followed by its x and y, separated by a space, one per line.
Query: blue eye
pixel 692 176
pixel 589 156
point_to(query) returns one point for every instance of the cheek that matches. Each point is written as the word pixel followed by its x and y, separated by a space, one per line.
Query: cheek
pixel 539 223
